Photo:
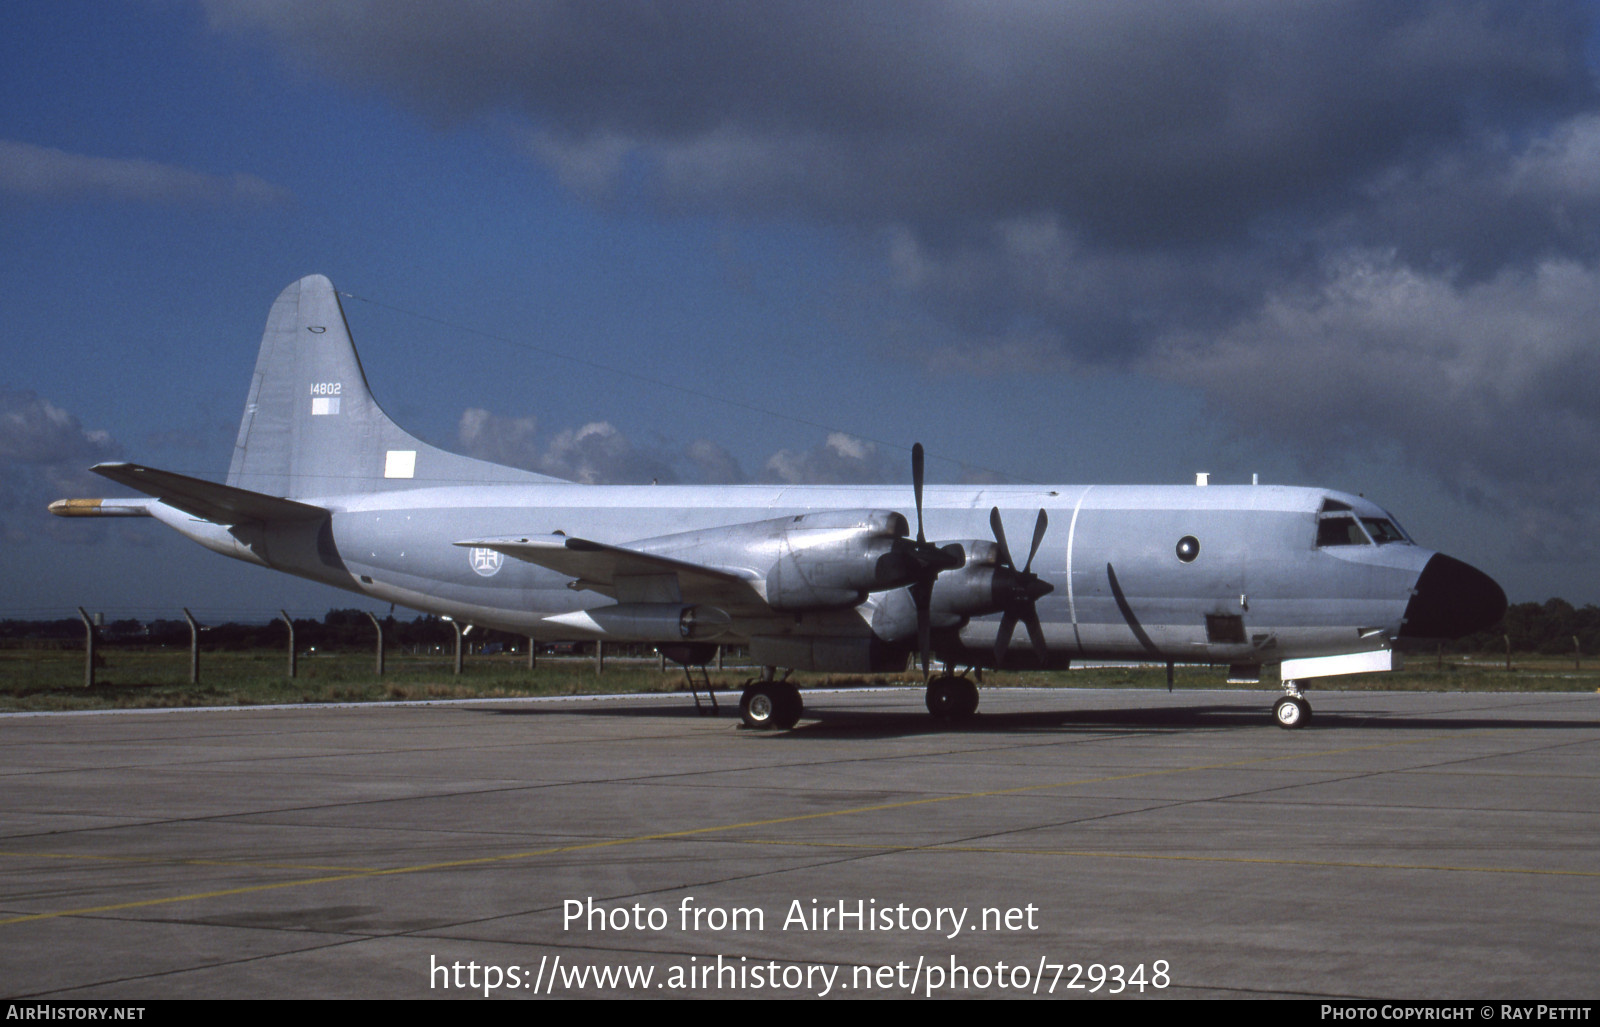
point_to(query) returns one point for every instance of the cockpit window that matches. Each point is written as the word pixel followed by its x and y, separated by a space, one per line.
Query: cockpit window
pixel 1329 505
pixel 1383 531
pixel 1340 531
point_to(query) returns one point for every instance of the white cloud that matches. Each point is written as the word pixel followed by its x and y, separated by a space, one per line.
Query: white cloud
pixel 45 173
pixel 839 460
pixel 595 453
pixel 45 455
pixel 504 440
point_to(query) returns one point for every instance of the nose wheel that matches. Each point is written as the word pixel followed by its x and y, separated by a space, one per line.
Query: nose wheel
pixel 1292 711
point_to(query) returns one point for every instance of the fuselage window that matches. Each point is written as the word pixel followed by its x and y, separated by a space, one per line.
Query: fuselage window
pixel 1340 531
pixel 1383 531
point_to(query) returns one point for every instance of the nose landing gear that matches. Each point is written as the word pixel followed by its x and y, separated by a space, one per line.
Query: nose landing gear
pixel 1292 711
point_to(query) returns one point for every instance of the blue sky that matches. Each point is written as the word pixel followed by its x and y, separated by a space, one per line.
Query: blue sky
pixel 1351 244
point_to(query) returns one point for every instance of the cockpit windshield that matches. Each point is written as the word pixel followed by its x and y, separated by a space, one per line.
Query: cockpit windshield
pixel 1383 531
pixel 1340 531
pixel 1338 524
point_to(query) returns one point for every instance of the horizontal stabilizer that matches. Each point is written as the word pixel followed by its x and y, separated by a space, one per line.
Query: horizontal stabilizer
pixel 207 500
pixel 599 566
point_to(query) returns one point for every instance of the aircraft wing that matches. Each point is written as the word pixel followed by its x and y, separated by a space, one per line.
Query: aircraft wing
pixel 626 574
pixel 207 500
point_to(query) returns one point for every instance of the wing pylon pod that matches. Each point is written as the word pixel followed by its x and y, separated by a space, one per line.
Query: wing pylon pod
pixel 1016 592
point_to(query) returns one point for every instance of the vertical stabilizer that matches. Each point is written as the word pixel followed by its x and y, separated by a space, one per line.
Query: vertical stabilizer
pixel 311 426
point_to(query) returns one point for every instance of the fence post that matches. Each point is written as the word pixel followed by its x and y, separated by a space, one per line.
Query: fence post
pixel 293 656
pixel 599 656
pixel 194 647
pixel 379 627
pixel 533 652
pixel 88 648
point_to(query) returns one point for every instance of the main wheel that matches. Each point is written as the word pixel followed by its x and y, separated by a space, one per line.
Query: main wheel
pixel 966 699
pixel 789 705
pixel 1291 712
pixel 770 705
pixel 952 698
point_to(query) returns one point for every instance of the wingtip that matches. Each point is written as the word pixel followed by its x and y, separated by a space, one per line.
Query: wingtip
pixel 100 508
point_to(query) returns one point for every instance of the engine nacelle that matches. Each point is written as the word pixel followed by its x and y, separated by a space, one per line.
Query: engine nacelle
pixel 958 595
pixel 834 558
pixel 969 590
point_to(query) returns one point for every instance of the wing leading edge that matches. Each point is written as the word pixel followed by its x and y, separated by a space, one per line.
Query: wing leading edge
pixel 628 575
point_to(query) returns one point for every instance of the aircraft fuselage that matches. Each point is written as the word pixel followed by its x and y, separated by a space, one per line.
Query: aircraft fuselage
pixel 1258 588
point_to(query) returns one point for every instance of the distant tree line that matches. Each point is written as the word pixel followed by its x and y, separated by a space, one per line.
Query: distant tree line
pixel 1548 627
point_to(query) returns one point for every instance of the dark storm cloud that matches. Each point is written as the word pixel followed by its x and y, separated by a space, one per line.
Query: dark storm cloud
pixel 1490 384
pixel 1135 121
pixel 1358 227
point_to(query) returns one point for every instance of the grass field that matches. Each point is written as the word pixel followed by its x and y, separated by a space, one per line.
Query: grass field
pixel 32 680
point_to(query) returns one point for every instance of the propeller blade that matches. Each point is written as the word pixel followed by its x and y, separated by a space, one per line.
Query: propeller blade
pixel 1038 536
pixel 922 596
pixel 916 485
pixel 1008 624
pixel 1036 632
pixel 1016 592
pixel 999 529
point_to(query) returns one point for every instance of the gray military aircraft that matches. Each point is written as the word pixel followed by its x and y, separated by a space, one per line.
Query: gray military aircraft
pixel 325 486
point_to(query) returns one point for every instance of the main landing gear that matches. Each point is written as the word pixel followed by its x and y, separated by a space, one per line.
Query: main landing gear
pixel 1291 711
pixel 769 705
pixel 952 697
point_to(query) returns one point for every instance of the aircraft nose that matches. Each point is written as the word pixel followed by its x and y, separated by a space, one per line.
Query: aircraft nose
pixel 1452 599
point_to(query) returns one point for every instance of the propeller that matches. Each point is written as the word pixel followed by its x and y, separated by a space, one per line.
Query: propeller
pixel 1016 592
pixel 929 562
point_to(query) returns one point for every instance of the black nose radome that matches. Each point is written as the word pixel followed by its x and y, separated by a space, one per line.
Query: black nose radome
pixel 1453 599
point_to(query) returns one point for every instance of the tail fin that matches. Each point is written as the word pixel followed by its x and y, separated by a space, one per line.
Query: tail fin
pixel 311 426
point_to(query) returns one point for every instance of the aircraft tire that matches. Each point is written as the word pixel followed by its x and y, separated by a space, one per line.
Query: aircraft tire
pixel 952 698
pixel 770 706
pixel 789 706
pixel 1291 712
pixel 966 699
